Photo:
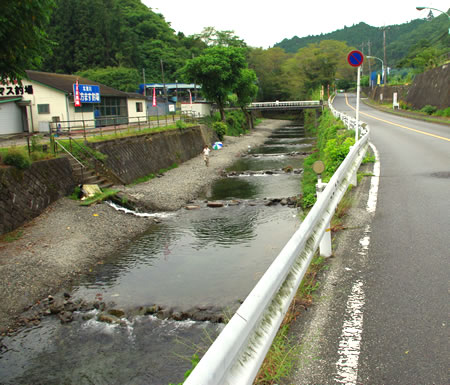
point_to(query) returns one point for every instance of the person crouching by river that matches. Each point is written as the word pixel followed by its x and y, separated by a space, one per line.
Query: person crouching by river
pixel 206 151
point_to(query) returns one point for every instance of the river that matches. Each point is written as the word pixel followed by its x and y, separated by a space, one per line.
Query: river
pixel 203 261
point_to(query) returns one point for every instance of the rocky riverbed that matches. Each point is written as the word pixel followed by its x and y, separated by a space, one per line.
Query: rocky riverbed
pixel 51 252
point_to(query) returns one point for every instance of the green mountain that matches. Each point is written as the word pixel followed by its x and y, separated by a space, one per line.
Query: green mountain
pixel 401 39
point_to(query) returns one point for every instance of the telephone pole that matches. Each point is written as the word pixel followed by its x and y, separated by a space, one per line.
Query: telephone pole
pixel 385 61
pixel 370 70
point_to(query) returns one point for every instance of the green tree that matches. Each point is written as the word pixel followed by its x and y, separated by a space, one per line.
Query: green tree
pixel 121 78
pixel 22 32
pixel 267 65
pixel 211 37
pixel 246 90
pixel 218 70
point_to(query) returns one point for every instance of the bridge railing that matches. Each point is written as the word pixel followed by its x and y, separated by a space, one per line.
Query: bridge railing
pixel 286 104
pixel 238 352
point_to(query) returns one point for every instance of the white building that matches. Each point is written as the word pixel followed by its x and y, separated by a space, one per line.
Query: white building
pixel 46 98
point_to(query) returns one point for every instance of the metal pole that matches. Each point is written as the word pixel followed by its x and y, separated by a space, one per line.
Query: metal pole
pixel 385 62
pixel 357 102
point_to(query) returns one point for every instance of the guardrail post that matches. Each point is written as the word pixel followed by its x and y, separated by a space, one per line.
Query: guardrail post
pixel 325 242
pixel 354 177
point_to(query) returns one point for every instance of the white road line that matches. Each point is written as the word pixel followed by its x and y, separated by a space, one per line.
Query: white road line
pixel 350 341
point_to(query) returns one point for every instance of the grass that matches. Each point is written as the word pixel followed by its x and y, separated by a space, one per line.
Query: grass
pixel 12 236
pixel 107 193
pixel 283 354
pixel 148 177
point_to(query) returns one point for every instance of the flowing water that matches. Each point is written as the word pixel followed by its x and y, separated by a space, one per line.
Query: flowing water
pixel 207 259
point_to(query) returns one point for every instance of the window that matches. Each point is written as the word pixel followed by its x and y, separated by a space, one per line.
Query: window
pixel 43 108
pixel 87 107
pixel 139 107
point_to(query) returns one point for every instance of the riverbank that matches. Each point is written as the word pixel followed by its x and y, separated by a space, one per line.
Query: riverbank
pixel 53 250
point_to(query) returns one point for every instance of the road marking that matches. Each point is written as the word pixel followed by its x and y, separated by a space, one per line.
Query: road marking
pixel 350 340
pixel 396 124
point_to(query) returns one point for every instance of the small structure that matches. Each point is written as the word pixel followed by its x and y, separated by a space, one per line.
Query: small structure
pixel 46 98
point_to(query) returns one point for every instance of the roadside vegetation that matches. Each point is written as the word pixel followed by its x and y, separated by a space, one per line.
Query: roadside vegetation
pixel 333 145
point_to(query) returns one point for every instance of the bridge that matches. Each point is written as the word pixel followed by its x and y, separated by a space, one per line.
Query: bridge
pixel 282 106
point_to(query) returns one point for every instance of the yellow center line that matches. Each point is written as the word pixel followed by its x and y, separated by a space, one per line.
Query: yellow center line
pixel 396 124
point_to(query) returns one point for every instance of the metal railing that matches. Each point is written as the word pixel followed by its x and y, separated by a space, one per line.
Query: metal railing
pixel 285 105
pixel 110 125
pixel 238 352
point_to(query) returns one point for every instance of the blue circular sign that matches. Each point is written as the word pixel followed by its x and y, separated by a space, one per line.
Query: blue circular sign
pixel 355 58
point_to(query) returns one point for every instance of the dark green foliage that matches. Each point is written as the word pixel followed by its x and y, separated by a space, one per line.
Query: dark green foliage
pixel 17 158
pixel 445 112
pixel 430 110
pixel 401 40
pixel 120 78
pixel 236 123
pixel 218 70
pixel 23 36
pixel 116 34
pixel 333 145
pixel 220 128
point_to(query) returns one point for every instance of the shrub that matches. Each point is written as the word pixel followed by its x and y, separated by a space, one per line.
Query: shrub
pixel 445 112
pixel 17 158
pixel 180 124
pixel 220 128
pixel 236 123
pixel 429 109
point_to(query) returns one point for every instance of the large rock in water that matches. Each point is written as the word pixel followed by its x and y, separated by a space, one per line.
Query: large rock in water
pixel 215 204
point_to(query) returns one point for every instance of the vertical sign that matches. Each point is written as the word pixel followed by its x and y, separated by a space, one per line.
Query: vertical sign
pixel 76 96
pixel 154 98
pixel 355 59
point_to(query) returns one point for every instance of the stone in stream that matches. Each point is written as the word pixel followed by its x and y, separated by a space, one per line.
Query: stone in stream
pixel 215 204
pixel 192 207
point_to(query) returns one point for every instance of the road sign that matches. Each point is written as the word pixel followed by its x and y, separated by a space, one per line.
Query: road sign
pixel 355 58
pixel 86 93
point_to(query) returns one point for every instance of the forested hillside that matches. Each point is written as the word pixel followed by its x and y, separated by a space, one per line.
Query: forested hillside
pixel 401 40
pixel 124 34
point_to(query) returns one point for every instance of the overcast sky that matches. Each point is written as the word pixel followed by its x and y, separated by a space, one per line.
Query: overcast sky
pixel 262 23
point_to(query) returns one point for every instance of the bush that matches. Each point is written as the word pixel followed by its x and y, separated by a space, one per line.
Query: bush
pixel 445 113
pixel 17 158
pixel 180 124
pixel 236 123
pixel 429 109
pixel 220 128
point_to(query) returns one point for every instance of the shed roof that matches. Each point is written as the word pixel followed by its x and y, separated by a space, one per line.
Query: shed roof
pixel 65 83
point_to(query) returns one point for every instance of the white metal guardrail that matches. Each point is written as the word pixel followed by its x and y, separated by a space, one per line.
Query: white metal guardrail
pixel 288 104
pixel 237 354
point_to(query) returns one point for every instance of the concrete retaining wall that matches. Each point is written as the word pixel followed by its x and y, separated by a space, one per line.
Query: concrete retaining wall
pixel 138 156
pixel 24 194
pixel 428 88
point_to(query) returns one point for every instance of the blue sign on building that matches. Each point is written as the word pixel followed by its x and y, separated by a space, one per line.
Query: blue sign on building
pixel 88 93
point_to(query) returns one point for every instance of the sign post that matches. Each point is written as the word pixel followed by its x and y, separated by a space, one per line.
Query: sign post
pixel 355 59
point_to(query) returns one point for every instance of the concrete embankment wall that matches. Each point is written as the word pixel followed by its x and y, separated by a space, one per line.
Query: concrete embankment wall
pixel 24 194
pixel 137 156
pixel 428 88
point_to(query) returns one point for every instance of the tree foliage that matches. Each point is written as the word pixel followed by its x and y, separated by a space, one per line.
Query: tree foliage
pixel 218 70
pixel 23 35
pixel 121 78
pixel 116 33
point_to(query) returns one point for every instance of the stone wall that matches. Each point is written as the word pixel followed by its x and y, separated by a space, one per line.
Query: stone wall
pixel 24 194
pixel 428 88
pixel 138 156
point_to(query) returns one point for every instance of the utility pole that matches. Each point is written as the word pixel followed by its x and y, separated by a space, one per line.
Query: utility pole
pixel 370 70
pixel 164 83
pixel 385 62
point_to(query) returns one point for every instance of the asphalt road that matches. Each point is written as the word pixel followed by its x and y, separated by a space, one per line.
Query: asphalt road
pixel 383 314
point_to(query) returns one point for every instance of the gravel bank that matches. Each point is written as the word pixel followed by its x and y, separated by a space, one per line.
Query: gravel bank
pixel 67 239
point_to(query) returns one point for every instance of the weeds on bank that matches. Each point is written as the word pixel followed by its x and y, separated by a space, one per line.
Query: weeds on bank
pixel 106 193
pixel 12 236
pixel 148 177
pixel 284 351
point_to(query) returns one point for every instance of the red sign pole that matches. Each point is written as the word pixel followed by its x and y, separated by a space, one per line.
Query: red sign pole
pixel 76 97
